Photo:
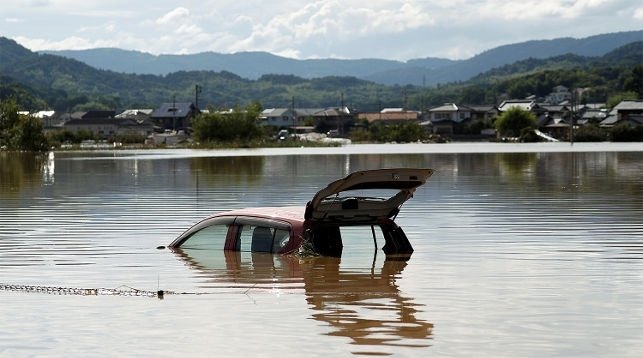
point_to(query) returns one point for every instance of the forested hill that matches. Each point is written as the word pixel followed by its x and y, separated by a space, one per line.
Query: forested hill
pixel 427 71
pixel 250 65
pixel 41 81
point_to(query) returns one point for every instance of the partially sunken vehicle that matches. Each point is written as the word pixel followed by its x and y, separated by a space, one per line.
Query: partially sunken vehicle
pixel 320 226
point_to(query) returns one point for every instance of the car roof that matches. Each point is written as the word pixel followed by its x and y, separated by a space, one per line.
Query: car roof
pixel 292 214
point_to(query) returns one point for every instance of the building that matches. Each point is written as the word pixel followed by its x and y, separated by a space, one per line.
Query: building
pixel 559 95
pixel 288 117
pixel 136 114
pixel 628 112
pixel 174 116
pixel 444 118
pixel 105 128
pixel 390 116
pixel 339 119
pixel 524 104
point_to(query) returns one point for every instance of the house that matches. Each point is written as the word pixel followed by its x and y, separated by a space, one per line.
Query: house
pixel 174 116
pixel 136 114
pixel 337 118
pixel 590 114
pixel 390 116
pixel 444 118
pixel 559 95
pixel 629 112
pixel 524 104
pixel 287 117
pixel 555 125
pixel 481 113
pixel 105 128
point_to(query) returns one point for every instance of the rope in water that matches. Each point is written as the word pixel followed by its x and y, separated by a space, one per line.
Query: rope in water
pixel 52 290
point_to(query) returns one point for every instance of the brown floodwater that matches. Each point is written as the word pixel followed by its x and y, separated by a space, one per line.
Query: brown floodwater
pixel 520 250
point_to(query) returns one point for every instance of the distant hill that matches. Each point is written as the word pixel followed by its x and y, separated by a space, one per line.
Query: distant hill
pixel 250 65
pixel 427 71
pixel 44 81
pixel 463 70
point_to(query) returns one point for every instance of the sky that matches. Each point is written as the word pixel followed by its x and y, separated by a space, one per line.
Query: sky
pixel 346 29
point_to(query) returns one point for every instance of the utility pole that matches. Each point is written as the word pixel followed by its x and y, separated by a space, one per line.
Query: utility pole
pixel 197 91
pixel 292 113
pixel 571 112
pixel 340 114
pixel 174 112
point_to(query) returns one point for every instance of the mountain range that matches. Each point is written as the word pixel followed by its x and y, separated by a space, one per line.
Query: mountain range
pixel 45 81
pixel 420 72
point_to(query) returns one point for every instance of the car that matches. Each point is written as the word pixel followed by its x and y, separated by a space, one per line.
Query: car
pixel 282 134
pixel 333 133
pixel 334 215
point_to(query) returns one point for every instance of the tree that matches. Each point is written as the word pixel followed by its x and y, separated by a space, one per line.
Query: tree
pixel 20 132
pixel 634 83
pixel 617 98
pixel 512 122
pixel 239 125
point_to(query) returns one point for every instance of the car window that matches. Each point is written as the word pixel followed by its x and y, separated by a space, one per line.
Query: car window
pixel 282 237
pixel 254 238
pixel 210 237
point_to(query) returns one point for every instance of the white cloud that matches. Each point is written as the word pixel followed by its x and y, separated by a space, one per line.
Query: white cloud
pixel 399 29
pixel 538 9
pixel 325 22
pixel 176 15
pixel 638 13
pixel 73 42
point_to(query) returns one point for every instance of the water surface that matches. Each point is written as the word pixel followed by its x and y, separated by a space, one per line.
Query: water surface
pixel 519 251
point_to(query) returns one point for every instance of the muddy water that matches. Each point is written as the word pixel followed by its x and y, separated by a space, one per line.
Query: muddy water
pixel 537 252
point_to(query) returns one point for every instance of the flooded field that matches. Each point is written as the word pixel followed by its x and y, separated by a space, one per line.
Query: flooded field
pixel 520 250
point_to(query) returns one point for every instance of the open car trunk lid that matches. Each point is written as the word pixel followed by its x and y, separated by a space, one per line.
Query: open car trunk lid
pixel 336 203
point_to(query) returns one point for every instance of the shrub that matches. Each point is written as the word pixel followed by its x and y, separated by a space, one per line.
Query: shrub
pixel 590 133
pixel 626 133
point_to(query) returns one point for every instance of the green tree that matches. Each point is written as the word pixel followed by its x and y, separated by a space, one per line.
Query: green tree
pixel 590 133
pixel 512 122
pixel 238 125
pixel 9 117
pixel 626 133
pixel 634 83
pixel 617 98
pixel 20 132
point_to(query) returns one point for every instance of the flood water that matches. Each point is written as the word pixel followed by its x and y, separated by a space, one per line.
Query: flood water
pixel 520 250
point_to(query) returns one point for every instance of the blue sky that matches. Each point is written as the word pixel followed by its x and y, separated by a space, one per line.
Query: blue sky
pixel 389 29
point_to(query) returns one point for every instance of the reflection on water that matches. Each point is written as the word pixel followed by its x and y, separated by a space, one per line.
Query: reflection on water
pixel 217 170
pixel 20 171
pixel 364 305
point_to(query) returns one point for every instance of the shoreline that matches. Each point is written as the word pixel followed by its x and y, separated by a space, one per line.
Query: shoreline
pixel 352 149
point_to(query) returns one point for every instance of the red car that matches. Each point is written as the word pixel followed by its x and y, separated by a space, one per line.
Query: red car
pixel 333 215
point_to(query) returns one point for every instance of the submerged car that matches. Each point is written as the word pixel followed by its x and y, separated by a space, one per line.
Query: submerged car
pixel 323 224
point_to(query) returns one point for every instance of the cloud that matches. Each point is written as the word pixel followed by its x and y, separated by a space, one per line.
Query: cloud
pixel 73 42
pixel 35 3
pixel 399 29
pixel 539 9
pixel 174 16
pixel 638 13
pixel 323 23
